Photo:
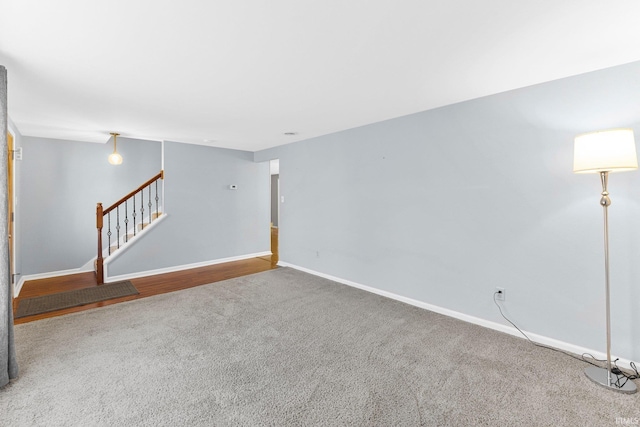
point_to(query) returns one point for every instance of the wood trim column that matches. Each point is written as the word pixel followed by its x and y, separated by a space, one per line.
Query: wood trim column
pixel 99 259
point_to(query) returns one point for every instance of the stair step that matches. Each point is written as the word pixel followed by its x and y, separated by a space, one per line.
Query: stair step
pixel 145 224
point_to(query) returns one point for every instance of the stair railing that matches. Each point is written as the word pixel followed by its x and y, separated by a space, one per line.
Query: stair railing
pixel 133 204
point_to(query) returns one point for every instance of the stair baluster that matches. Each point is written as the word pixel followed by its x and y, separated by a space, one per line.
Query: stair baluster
pixel 126 221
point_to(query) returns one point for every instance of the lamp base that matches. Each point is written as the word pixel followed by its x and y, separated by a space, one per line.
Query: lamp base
pixel 618 382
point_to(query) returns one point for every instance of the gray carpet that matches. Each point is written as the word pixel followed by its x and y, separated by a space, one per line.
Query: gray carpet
pixel 62 300
pixel 283 348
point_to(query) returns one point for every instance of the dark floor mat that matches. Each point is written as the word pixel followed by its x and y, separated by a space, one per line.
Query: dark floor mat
pixel 59 301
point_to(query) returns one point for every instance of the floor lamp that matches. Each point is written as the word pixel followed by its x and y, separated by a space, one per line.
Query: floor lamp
pixel 603 152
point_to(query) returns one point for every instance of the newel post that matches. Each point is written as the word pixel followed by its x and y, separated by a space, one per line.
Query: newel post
pixel 99 259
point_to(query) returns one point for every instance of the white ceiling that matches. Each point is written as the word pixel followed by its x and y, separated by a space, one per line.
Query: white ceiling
pixel 241 73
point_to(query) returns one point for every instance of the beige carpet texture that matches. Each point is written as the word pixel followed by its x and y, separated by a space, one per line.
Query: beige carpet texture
pixel 284 348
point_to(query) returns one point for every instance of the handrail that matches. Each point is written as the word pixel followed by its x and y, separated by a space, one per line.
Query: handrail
pixel 136 191
pixel 101 213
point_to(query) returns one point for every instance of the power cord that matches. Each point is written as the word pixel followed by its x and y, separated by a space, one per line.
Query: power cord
pixel 615 370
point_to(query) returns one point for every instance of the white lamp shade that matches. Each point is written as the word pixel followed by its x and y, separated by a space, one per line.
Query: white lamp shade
pixel 609 150
pixel 115 158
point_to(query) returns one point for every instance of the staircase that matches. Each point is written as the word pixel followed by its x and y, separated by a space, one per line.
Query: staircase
pixel 127 219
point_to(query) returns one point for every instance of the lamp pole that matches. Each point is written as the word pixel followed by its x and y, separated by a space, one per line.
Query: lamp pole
pixel 603 377
pixel 605 202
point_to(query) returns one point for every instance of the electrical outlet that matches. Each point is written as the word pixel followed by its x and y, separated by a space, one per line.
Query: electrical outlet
pixel 500 294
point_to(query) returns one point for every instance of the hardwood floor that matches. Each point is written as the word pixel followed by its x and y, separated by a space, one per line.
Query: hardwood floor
pixel 147 286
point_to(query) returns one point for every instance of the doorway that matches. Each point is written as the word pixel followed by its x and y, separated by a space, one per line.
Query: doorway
pixel 274 172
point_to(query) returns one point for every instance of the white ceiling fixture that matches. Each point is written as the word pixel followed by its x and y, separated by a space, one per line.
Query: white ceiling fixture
pixel 115 158
pixel 243 71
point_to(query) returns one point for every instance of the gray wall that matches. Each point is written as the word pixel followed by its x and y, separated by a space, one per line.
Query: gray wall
pixel 445 205
pixel 206 220
pixel 60 183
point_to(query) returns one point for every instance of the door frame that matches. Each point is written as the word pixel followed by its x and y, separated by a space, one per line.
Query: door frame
pixel 11 185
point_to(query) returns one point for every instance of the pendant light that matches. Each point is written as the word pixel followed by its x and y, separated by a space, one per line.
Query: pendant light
pixel 115 158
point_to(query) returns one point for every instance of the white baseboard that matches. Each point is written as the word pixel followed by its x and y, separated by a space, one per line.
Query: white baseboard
pixel 180 267
pixel 18 286
pixel 540 339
